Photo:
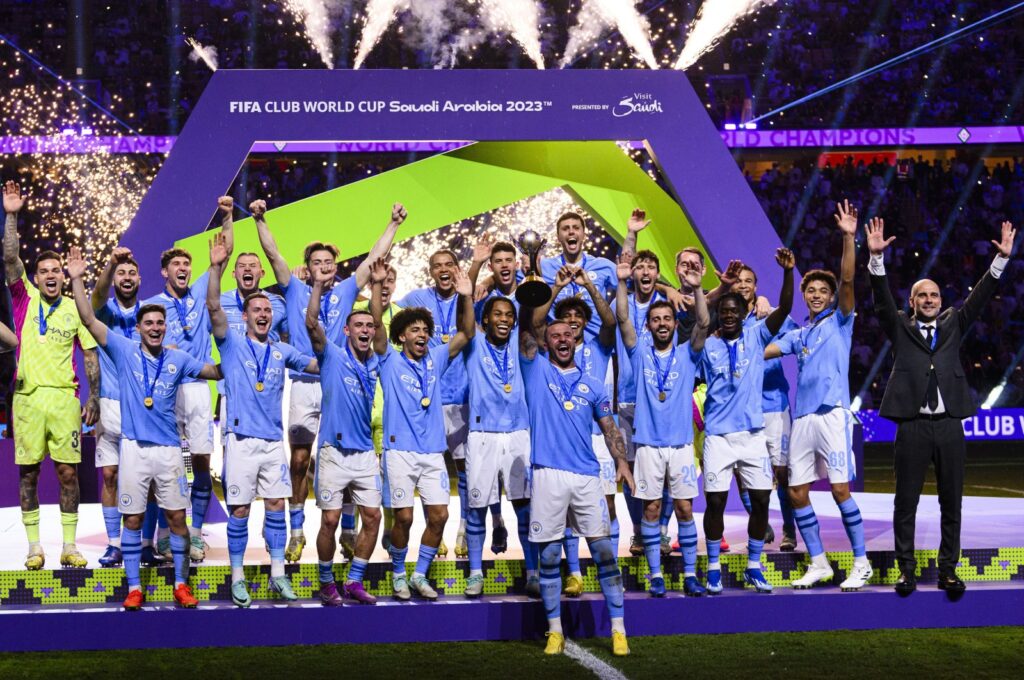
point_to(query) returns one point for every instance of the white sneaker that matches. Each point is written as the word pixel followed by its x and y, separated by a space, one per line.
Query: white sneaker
pixel 420 586
pixel 858 578
pixel 400 586
pixel 816 573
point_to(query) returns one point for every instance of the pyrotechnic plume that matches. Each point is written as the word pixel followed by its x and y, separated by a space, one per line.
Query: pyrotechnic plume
pixel 595 16
pixel 208 55
pixel 520 19
pixel 379 15
pixel 714 20
pixel 315 19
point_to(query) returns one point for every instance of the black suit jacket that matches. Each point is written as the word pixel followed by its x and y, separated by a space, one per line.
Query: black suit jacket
pixel 913 359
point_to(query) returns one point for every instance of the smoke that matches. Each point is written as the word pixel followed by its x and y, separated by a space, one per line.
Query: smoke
pixel 208 55
pixel 597 15
pixel 464 41
pixel 314 16
pixel 520 18
pixel 714 20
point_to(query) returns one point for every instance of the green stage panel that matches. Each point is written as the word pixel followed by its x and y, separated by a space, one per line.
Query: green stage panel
pixel 461 184
pixel 94 586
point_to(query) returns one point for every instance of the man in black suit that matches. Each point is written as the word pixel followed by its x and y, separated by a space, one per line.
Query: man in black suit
pixel 927 396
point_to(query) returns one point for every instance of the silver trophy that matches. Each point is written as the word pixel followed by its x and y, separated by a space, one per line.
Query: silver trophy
pixel 533 291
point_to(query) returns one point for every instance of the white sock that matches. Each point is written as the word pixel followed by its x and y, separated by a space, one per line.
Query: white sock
pixel 116 542
pixel 664 530
pixel 192 531
pixel 714 566
pixel 532 573
pixel 555 625
pixel 860 561
pixel 618 625
pixel 820 560
pixel 297 533
pixel 237 574
pixel 476 572
pixel 751 564
pixel 69 546
pixel 577 575
pixel 132 589
pixel 655 575
pixel 416 575
pixel 462 526
pixel 276 568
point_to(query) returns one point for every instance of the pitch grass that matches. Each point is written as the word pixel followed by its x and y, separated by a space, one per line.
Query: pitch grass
pixel 939 653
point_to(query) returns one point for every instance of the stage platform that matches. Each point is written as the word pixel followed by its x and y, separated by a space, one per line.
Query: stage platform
pixel 454 619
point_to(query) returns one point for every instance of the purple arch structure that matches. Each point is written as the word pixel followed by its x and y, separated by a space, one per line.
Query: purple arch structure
pixel 659 107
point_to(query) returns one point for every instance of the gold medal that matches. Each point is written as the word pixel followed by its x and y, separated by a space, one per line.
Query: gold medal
pixel 148 402
pixel 568 405
pixel 507 388
pixel 445 337
pixel 259 386
pixel 661 396
pixel 425 402
pixel 42 339
pixel 806 351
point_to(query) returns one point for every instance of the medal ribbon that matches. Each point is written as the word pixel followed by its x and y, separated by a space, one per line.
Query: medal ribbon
pixel 261 370
pixel 182 308
pixel 659 374
pixel 127 323
pixel 805 333
pixel 420 372
pixel 503 369
pixel 365 380
pixel 44 319
pixel 147 386
pixel 445 319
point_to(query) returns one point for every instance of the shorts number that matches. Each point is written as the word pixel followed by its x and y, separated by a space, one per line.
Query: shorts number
pixel 785 443
pixel 74 439
pixel 836 460
pixel 690 475
pixel 607 471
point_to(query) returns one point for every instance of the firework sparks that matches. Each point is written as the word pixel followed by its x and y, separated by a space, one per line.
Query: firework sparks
pixel 315 18
pixel 715 19
pixel 208 55
pixel 519 18
pixel 379 15
pixel 597 15
pixel 85 199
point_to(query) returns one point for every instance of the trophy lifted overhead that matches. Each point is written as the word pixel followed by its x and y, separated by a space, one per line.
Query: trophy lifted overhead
pixel 533 291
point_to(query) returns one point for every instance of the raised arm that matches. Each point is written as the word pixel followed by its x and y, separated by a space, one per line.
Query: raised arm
pixel 76 267
pixel 637 222
pixel 528 345
pixel 382 246
pixel 101 291
pixel 467 320
pixel 726 279
pixel 226 206
pixel 606 335
pixel 700 307
pixel 481 253
pixel 13 203
pixel 846 218
pixel 378 272
pixel 624 270
pixel 218 258
pixel 617 447
pixel 982 292
pixel 317 336
pixel 885 305
pixel 786 260
pixel 562 279
pixel 8 339
pixel 282 273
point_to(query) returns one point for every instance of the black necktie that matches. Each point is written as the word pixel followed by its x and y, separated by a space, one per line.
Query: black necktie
pixel 932 394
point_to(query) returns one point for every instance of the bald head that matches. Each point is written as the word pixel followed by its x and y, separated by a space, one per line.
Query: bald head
pixel 925 300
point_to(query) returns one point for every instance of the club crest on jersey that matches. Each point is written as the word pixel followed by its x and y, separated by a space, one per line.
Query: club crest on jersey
pixel 641 484
pixel 126 499
pixel 233 490
pixel 583 389
pixel 398 494
pixel 325 495
pixel 536 527
pixel 475 494
pixel 277 355
pixel 172 369
pixel 711 478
